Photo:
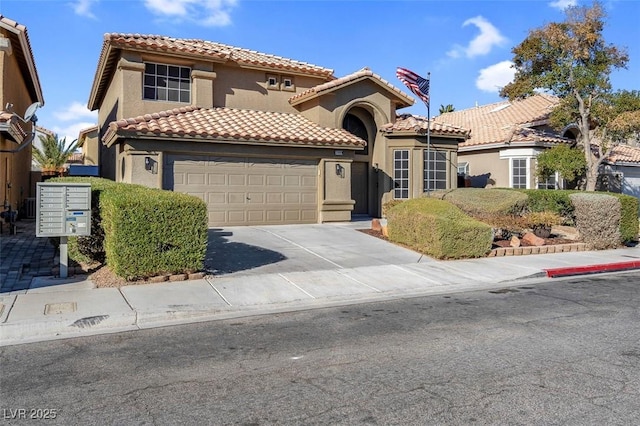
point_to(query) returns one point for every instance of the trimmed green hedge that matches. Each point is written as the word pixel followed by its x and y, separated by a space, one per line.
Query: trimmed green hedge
pixel 439 229
pixel 597 219
pixel 629 206
pixel 550 200
pixel 151 232
pixel 481 201
pixel 142 232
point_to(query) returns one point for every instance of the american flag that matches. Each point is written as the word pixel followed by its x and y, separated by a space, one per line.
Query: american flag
pixel 417 84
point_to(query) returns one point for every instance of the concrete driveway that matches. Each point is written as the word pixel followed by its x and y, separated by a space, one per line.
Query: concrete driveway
pixel 252 250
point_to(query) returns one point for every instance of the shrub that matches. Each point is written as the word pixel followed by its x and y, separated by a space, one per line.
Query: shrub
pixel 545 218
pixel 151 232
pixel 551 200
pixel 89 249
pixel 389 205
pixel 597 219
pixel 483 202
pixel 629 217
pixel 439 229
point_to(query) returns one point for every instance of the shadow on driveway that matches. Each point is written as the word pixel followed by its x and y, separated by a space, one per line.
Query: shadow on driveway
pixel 225 257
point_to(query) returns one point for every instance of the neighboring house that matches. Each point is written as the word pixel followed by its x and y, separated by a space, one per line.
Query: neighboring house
pixel 621 171
pixel 504 141
pixel 260 138
pixel 19 89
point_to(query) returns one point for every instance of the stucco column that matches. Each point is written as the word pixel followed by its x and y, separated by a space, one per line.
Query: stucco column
pixel 202 88
pixel 336 203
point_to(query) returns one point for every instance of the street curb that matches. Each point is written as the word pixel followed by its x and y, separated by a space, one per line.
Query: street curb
pixel 592 269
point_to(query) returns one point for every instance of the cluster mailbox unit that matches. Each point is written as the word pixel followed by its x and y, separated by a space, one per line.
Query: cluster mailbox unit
pixel 63 210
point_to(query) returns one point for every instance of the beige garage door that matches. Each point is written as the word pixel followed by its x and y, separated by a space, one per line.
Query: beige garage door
pixel 248 191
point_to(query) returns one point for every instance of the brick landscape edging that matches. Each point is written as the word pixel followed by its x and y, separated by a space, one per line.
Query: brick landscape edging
pixel 519 251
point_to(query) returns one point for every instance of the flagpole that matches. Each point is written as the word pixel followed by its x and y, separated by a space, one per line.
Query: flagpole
pixel 428 138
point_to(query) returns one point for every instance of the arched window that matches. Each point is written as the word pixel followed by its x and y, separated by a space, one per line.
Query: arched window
pixel 355 126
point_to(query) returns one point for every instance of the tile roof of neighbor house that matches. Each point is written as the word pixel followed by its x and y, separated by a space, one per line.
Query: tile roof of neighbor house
pixel 408 123
pixel 21 47
pixel 237 125
pixel 624 154
pixel 194 48
pixel 505 122
pixel 364 73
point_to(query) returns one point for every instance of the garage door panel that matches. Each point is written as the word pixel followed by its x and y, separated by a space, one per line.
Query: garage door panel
pixel 216 179
pixel 237 180
pixel 243 191
pixel 196 178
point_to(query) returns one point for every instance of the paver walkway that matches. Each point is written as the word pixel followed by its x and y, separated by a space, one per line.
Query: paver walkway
pixel 23 256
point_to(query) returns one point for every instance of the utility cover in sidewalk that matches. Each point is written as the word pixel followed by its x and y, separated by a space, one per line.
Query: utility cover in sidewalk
pixel 59 308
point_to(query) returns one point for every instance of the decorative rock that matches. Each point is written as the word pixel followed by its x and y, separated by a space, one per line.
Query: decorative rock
pixel 375 225
pixel 385 231
pixel 530 239
pixel 515 241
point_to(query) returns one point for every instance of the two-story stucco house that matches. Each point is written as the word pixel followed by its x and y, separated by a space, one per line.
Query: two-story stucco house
pixel 19 89
pixel 260 138
pixel 504 140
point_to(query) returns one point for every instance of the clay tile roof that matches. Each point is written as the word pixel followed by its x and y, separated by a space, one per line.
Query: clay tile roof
pixel 407 123
pixel 235 125
pixel 346 80
pixel 194 48
pixel 624 154
pixel 505 122
pixel 21 47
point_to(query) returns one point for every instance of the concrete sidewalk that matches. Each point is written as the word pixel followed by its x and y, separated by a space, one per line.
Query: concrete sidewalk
pixel 257 270
pixel 61 308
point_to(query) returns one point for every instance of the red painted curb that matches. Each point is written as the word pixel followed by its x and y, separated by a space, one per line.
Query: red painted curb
pixel 592 269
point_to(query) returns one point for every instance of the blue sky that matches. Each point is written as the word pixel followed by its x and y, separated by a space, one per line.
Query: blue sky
pixel 465 45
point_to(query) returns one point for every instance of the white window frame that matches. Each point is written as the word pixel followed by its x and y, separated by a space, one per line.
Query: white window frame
pixel 465 168
pixel 438 182
pixel 512 175
pixel 401 183
pixel 520 154
pixel 178 82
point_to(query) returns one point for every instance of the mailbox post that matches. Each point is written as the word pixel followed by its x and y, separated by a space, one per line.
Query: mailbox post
pixel 63 210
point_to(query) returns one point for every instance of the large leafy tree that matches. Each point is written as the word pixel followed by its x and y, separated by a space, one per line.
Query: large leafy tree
pixel 567 161
pixel 54 153
pixel 572 60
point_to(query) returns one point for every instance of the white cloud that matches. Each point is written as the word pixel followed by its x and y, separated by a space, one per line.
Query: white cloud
pixel 495 77
pixel 563 4
pixel 483 43
pixel 76 111
pixel 82 7
pixel 210 13
pixel 71 131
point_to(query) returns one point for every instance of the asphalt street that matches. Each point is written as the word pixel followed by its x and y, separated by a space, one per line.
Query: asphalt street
pixel 561 352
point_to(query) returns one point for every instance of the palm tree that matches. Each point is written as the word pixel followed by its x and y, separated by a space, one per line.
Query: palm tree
pixel 54 153
pixel 447 108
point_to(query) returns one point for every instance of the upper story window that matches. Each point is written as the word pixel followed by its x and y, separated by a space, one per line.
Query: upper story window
pixel 167 83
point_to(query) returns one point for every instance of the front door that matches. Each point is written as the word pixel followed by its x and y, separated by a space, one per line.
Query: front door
pixel 360 187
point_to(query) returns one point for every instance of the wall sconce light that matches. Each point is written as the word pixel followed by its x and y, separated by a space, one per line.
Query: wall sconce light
pixel 339 170
pixel 150 165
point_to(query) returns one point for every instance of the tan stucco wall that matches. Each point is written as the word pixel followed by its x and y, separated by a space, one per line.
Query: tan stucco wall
pixel 416 147
pixel 90 148
pixel 15 168
pixel 482 162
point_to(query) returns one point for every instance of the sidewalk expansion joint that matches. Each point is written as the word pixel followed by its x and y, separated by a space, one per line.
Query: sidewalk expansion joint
pixel 297 286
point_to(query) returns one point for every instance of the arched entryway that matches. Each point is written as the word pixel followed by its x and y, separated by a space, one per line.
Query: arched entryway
pixel 360 122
